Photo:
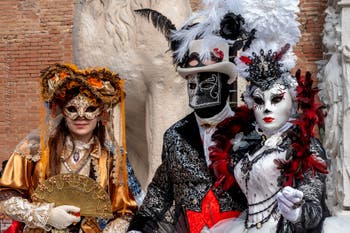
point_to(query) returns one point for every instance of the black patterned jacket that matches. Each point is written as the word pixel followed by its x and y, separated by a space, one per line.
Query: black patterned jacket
pixel 182 179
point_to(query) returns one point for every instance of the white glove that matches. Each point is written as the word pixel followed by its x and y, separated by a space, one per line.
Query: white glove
pixel 289 203
pixel 61 217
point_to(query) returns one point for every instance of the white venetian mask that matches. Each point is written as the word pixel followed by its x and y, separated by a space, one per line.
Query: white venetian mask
pixel 83 107
pixel 273 107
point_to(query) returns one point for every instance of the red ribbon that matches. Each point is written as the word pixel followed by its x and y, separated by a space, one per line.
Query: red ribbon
pixel 210 214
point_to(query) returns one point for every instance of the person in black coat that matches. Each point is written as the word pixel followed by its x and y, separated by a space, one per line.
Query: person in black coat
pixel 186 178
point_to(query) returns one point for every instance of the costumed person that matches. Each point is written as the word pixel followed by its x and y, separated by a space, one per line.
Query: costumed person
pixel 203 53
pixel 280 166
pixel 74 156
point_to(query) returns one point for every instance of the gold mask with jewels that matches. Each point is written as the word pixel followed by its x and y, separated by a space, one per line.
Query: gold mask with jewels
pixel 81 107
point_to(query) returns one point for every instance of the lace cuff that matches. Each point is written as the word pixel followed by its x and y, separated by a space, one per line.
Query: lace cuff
pixel 119 225
pixel 32 214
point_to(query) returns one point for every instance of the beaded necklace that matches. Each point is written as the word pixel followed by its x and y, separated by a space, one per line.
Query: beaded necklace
pixel 75 154
pixel 246 167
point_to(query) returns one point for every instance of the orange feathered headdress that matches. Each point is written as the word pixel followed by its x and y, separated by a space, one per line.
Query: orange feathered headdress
pixel 58 79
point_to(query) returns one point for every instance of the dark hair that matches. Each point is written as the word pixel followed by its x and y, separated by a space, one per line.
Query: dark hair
pixel 57 143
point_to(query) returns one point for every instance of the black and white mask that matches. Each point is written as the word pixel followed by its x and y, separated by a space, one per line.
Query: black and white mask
pixel 204 90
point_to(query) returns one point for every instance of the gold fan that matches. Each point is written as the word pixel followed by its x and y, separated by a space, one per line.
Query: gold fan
pixel 77 190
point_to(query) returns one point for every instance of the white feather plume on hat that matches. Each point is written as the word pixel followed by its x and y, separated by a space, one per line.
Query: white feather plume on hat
pixel 276 25
pixel 273 20
pixel 208 24
pixel 277 32
pixel 248 25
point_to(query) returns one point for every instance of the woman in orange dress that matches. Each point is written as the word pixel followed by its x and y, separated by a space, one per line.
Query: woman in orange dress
pixel 76 136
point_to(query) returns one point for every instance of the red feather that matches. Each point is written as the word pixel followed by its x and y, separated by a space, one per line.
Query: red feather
pixel 219 153
pixel 280 54
pixel 310 117
pixel 246 60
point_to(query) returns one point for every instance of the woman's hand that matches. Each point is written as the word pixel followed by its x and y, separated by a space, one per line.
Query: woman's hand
pixel 61 217
pixel 289 203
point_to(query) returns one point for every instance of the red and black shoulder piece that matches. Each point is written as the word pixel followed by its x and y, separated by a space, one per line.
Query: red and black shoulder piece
pixel 220 152
pixel 228 128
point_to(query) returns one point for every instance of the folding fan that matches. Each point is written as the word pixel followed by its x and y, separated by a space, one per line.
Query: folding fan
pixel 77 190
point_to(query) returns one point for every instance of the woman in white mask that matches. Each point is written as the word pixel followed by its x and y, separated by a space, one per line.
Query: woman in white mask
pixel 279 166
pixel 278 163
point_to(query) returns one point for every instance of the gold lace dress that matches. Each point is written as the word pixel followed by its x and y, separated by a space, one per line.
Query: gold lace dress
pixel 22 175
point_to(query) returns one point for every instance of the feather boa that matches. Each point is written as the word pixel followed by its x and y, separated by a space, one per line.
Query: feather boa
pixel 219 153
pixel 302 157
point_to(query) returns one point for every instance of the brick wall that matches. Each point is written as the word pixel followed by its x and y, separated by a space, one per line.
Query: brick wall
pixel 36 33
pixel 309 48
pixel 33 34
